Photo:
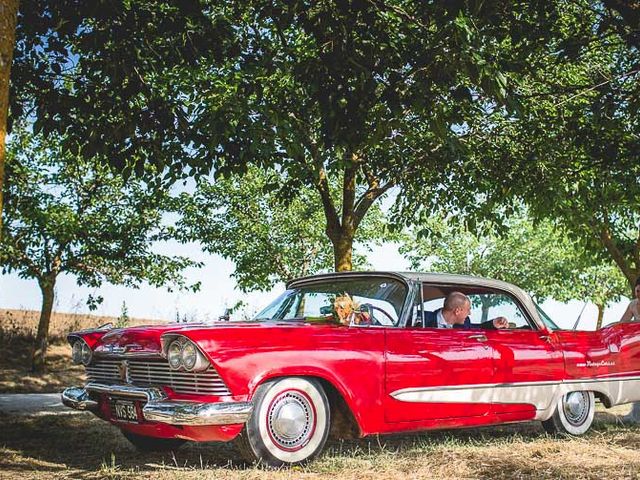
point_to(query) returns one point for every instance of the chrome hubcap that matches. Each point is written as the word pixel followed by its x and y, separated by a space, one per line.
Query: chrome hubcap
pixel 576 407
pixel 291 420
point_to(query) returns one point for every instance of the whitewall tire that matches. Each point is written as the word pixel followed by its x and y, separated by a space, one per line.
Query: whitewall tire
pixel 289 424
pixel 573 415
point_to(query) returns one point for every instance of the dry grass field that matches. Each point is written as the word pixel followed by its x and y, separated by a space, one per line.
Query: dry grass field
pixel 24 323
pixel 17 331
pixel 81 446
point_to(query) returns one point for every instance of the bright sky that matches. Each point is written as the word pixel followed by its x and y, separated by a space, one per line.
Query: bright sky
pixel 218 292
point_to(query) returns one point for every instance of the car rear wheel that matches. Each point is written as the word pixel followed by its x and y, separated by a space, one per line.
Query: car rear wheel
pixel 152 444
pixel 573 415
pixel 289 424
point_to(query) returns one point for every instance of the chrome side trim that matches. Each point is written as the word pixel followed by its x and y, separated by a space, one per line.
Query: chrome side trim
pixel 158 408
pixel 78 398
pixel 544 396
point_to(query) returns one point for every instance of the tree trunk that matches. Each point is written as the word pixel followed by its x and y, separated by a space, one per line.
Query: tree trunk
pixel 343 252
pixel 600 316
pixel 486 305
pixel 47 286
pixel 300 308
pixel 8 19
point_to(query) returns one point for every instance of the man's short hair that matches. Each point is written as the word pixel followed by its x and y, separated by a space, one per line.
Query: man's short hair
pixel 455 300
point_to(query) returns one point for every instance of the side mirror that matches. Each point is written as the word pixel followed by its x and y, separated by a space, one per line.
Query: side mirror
pixel 326 310
pixel 226 316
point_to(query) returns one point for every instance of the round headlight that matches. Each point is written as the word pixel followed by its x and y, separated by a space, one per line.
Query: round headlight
pixel 76 352
pixel 86 354
pixel 189 356
pixel 174 355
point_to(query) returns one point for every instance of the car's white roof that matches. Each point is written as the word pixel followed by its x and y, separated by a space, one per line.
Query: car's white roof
pixel 430 277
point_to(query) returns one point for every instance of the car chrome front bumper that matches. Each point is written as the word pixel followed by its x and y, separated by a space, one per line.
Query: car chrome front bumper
pixel 158 408
pixel 78 398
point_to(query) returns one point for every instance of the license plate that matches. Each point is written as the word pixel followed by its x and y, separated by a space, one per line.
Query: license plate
pixel 124 410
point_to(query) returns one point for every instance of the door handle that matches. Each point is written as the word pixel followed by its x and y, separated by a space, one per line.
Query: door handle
pixel 480 337
pixel 549 340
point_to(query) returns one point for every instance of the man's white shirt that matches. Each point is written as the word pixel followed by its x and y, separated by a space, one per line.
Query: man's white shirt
pixel 442 323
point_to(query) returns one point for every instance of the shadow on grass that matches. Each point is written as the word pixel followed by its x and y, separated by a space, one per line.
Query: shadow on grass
pixel 82 445
pixel 86 444
pixel 15 368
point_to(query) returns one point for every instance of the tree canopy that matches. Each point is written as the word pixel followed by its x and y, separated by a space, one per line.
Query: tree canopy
pixel 369 94
pixel 366 95
pixel 109 77
pixel 571 154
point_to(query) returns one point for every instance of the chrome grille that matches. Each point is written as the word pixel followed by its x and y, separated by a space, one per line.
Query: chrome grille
pixel 158 374
pixel 103 370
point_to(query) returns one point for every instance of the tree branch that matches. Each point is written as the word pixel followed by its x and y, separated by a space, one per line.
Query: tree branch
pixel 318 173
pixel 381 5
pixel 77 264
pixel 367 199
pixel 616 254
pixel 22 256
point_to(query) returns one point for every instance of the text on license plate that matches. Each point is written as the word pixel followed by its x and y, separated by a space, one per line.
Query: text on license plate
pixel 125 410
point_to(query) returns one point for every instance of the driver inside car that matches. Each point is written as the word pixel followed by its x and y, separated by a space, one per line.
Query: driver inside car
pixel 455 314
pixel 348 311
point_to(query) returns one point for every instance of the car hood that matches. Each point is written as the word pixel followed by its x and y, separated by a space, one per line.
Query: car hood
pixel 147 340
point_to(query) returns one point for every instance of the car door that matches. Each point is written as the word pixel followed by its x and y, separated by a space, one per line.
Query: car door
pixel 428 372
pixel 593 354
pixel 528 362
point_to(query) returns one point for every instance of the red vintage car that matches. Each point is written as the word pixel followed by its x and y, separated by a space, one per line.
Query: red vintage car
pixel 280 384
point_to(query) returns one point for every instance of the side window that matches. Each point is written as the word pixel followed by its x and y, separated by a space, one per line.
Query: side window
pixel 433 305
pixel 428 306
pixel 382 312
pixel 316 304
pixel 486 306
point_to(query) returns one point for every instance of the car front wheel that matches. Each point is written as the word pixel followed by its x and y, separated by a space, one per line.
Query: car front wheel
pixel 573 415
pixel 289 424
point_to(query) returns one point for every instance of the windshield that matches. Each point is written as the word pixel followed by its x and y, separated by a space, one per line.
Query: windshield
pixel 380 298
pixel 546 319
